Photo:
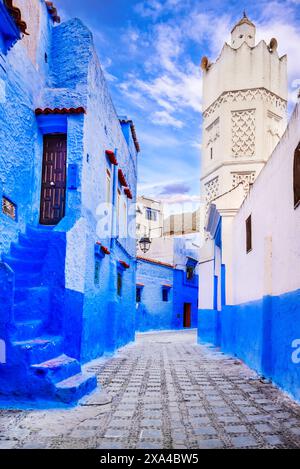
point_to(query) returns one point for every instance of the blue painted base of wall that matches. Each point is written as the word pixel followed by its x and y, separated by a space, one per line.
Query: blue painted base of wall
pixel 261 333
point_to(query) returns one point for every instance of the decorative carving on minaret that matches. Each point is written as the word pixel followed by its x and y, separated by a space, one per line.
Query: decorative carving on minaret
pixel 243 133
pixel 213 132
pixel 243 177
pixel 246 95
pixel 212 189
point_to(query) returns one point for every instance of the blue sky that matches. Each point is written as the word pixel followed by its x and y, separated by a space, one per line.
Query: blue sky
pixel 151 51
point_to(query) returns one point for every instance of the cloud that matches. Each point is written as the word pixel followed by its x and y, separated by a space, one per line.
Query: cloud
pixel 175 188
pixel 164 118
pixel 279 21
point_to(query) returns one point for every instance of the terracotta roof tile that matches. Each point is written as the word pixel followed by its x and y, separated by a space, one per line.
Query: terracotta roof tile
pixel 124 264
pixel 128 192
pixel 71 110
pixel 112 157
pixel 154 261
pixel 133 133
pixel 122 178
pixel 53 12
pixel 16 15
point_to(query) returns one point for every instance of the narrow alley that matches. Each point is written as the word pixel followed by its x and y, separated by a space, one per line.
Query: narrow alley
pixel 164 391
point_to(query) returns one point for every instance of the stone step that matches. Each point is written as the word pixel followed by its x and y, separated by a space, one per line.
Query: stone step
pixel 40 234
pixel 23 265
pixel 34 295
pixel 57 369
pixel 28 329
pixel 28 280
pixel 34 304
pixel 39 349
pixel 30 242
pixel 27 252
pixel 74 388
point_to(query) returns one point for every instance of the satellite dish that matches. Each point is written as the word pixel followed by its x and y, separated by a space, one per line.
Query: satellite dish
pixel 205 64
pixel 273 45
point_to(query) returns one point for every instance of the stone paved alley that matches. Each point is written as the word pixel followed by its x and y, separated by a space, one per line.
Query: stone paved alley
pixel 166 392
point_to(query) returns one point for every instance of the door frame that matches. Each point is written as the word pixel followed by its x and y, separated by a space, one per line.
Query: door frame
pixel 187 315
pixel 49 136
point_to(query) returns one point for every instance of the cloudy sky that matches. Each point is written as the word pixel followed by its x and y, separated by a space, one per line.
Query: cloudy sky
pixel 151 51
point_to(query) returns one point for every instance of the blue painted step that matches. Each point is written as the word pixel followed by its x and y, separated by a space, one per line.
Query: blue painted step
pixel 74 388
pixel 39 349
pixel 58 368
pixel 35 296
pixel 31 304
pixel 28 329
pixel 23 265
pixel 30 242
pixel 29 279
pixel 38 234
pixel 27 252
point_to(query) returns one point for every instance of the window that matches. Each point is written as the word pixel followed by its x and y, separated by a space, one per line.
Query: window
pixel 108 187
pixel 124 216
pixel 151 214
pixel 119 283
pixel 297 176
pixel 165 294
pixel 9 208
pixel 97 273
pixel 138 294
pixel 248 234
pixel 211 153
pixel 118 205
pixel 190 272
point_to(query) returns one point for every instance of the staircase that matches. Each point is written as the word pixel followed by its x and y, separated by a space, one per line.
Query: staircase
pixel 48 372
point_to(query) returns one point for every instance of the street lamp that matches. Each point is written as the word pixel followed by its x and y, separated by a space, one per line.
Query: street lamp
pixel 145 243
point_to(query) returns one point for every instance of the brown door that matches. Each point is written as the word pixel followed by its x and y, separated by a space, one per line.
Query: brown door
pixel 53 193
pixel 187 315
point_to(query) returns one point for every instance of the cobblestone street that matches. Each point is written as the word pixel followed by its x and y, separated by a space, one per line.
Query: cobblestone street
pixel 164 391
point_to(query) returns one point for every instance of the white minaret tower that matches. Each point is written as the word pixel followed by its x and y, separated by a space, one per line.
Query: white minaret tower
pixel 244 111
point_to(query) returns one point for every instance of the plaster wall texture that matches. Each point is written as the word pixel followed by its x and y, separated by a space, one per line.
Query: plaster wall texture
pixel 262 322
pixel 83 310
pixel 259 319
pixel 273 263
pixel 154 314
pixel 22 87
pixel 244 102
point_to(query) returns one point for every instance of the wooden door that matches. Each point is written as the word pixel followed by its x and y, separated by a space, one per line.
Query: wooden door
pixel 187 315
pixel 53 192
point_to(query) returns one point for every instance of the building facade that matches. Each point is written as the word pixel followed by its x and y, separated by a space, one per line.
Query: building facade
pixel 166 295
pixel 149 217
pixel 249 265
pixel 68 170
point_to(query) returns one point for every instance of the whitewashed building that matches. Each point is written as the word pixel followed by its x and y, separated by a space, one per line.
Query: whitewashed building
pixel 249 275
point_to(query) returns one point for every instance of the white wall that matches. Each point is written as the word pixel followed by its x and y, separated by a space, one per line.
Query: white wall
pixel 273 265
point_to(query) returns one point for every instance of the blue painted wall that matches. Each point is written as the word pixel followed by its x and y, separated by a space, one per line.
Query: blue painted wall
pixel 261 333
pixel 83 317
pixel 154 314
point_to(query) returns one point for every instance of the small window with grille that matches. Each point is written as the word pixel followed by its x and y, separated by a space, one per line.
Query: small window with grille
pixel 249 234
pixel 9 208
pixel 297 177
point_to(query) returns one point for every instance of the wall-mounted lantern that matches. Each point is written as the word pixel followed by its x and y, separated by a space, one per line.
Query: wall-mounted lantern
pixel 145 244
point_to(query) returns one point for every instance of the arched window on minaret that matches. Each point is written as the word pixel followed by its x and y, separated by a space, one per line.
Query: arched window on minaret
pixel 297 176
pixel 243 31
